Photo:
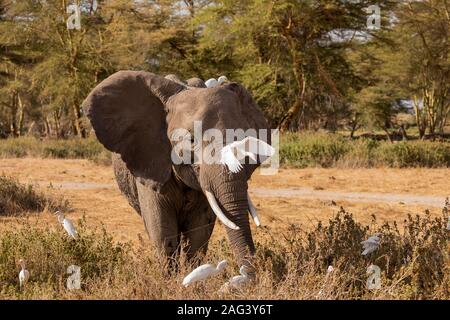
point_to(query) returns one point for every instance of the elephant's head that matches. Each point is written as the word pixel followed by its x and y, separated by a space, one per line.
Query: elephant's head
pixel 137 114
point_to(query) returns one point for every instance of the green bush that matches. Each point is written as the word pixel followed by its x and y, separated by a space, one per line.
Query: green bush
pixel 414 154
pixel 51 148
pixel 49 252
pixel 298 150
pixel 325 150
pixel 20 147
pixel 310 150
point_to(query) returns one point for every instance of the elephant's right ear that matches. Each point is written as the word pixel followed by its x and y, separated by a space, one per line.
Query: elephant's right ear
pixel 127 112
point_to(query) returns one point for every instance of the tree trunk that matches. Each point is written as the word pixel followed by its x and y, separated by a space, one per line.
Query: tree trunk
pixel 21 109
pixel 30 128
pixel 47 131
pixel 78 129
pixel 57 124
pixel 388 135
pixel 299 75
pixel 13 121
pixel 420 119
pixel 295 108
pixel 403 133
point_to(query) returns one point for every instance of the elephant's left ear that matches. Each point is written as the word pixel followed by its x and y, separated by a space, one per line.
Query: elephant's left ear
pixel 127 112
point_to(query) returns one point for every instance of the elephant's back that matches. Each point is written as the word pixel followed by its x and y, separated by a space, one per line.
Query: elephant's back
pixel 126 182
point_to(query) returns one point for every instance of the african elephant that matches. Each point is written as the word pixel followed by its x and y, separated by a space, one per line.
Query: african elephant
pixel 134 114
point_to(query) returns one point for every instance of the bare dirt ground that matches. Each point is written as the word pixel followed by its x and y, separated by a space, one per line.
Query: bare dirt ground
pixel 301 196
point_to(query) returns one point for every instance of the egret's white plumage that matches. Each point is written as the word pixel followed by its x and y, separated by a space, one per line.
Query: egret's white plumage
pixel 24 275
pixel 237 281
pixel 371 244
pixel 211 83
pixel 222 79
pixel 251 147
pixel 204 272
pixel 67 224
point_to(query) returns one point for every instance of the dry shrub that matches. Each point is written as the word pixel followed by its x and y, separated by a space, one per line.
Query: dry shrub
pixel 18 198
pixel 414 260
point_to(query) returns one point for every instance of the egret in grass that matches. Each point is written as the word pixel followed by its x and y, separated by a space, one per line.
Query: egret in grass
pixel 371 244
pixel 67 224
pixel 204 272
pixel 24 275
pixel 237 281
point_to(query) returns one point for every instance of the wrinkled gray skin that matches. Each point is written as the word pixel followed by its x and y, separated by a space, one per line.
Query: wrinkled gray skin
pixel 192 82
pixel 133 114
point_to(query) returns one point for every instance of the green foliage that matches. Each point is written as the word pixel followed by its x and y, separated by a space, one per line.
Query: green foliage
pixel 296 150
pixel 327 150
pixel 309 150
pixel 50 252
pixel 414 154
pixel 55 148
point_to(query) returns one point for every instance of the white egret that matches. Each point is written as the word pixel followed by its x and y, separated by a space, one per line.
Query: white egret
pixel 211 83
pixel 222 79
pixel 24 275
pixel 203 272
pixel 237 281
pixel 251 147
pixel 67 224
pixel 371 244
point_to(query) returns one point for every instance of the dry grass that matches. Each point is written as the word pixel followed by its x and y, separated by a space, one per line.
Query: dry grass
pixel 291 265
pixel 105 205
pixel 299 239
pixel 18 198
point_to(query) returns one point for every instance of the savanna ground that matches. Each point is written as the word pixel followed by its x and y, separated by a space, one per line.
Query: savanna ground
pixel 304 230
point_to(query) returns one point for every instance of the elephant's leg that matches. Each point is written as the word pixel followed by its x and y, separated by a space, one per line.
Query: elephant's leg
pixel 160 214
pixel 197 224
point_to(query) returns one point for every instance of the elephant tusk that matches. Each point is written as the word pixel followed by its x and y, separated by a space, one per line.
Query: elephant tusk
pixel 253 211
pixel 215 207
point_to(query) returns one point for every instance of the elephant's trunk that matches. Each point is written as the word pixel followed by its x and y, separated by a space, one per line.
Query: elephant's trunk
pixel 230 191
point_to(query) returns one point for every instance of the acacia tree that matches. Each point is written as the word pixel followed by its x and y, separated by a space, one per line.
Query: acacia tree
pixel 15 62
pixel 408 62
pixel 427 23
pixel 68 62
pixel 290 53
